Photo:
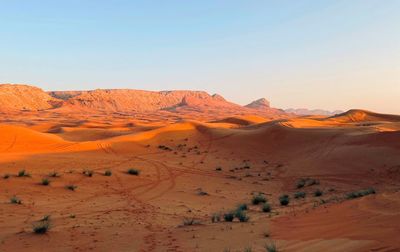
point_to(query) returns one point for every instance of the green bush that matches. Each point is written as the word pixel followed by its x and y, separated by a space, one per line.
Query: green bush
pixel 23 173
pixel 133 172
pixel 311 182
pixel 88 173
pixel 45 182
pixel 318 193
pixel 248 249
pixel 242 216
pixel 284 200
pixel 71 187
pixel 271 247
pixel 15 200
pixel 360 193
pixel 242 207
pixel 266 208
pixel 301 183
pixel 298 195
pixel 42 226
pixel 257 199
pixel 229 216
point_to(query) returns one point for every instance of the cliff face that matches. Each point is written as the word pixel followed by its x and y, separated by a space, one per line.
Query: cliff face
pixel 24 97
pixel 125 100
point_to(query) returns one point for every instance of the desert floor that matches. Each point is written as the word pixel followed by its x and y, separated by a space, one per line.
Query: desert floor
pixel 191 170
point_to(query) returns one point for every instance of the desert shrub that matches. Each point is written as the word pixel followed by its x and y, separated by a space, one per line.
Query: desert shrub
pixel 71 187
pixel 218 169
pixel 202 193
pixel 45 182
pixel 190 222
pixel 23 173
pixel 229 216
pixel 266 207
pixel 215 217
pixel 42 226
pixel 301 183
pixel 88 173
pixel 271 247
pixel 6 176
pixel 311 182
pixel 248 249
pixel 242 207
pixel 257 199
pixel 318 193
pixel 163 147
pixel 242 216
pixel 298 195
pixel 360 193
pixel 108 173
pixel 54 174
pixel 133 172
pixel 15 200
pixel 284 199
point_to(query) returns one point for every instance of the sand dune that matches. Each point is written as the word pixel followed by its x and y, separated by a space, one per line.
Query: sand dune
pixel 358 115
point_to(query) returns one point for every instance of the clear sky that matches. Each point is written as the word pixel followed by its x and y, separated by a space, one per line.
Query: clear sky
pixel 329 54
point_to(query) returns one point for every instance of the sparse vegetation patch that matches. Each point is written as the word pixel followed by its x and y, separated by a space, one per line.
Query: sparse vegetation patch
pixel 257 199
pixel 133 172
pixel 360 193
pixel 71 187
pixel 271 247
pixel 284 199
pixel 266 207
pixel 88 173
pixel 15 200
pixel 45 182
pixel 242 216
pixel 229 216
pixel 42 226
pixel 23 173
pixel 318 193
pixel 298 195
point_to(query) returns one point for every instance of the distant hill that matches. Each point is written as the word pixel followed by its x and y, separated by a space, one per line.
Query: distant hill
pixel 304 111
pixel 15 97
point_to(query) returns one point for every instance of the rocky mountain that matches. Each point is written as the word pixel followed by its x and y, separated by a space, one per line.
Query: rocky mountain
pixel 180 102
pixel 15 97
pixel 259 104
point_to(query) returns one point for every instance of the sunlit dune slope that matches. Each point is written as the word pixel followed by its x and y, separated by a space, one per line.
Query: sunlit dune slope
pixel 358 115
pixel 22 139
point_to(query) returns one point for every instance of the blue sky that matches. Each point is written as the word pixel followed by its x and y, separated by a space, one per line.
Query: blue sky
pixel 330 54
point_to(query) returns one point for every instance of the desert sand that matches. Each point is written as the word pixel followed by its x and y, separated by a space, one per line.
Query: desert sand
pixel 199 156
